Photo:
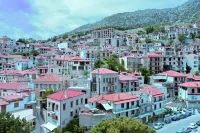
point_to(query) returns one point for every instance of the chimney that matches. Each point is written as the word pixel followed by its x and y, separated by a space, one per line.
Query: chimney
pixel 66 93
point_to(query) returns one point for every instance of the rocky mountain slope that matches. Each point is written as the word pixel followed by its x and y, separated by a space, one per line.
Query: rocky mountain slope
pixel 189 12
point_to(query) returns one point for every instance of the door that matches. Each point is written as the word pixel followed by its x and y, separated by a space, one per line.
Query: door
pixel 127 105
pixel 3 108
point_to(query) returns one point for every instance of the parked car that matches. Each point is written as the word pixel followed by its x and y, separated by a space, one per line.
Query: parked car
pixel 187 130
pixel 182 116
pixel 193 125
pixel 157 126
pixel 198 123
pixel 180 131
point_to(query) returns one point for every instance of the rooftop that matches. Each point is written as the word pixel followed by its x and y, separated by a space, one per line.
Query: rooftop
pixel 103 71
pixel 61 95
pixel 49 78
pixel 11 98
pixel 151 90
pixel 171 73
pixel 190 84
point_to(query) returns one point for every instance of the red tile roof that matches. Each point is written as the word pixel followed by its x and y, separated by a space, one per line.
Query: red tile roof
pixel 126 78
pixel 103 71
pixel 14 86
pixel 115 98
pixel 60 95
pixel 154 92
pixel 152 55
pixel 49 78
pixel 10 98
pixel 190 84
pixel 171 73
pixel 3 102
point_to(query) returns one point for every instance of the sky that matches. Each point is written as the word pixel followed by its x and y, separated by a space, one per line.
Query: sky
pixel 42 19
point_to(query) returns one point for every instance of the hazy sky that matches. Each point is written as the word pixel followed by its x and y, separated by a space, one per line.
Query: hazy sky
pixel 43 19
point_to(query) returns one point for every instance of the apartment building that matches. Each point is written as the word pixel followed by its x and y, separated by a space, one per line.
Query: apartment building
pixel 153 62
pixel 192 61
pixel 104 33
pixel 104 81
pixel 48 81
pixel 170 79
pixel 128 83
pixel 139 105
pixel 62 107
pixel 190 93
pixel 131 62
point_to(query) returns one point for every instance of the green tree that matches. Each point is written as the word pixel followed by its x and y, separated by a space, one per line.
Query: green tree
pixel 65 36
pixel 170 42
pixel 46 93
pixel 113 63
pixel 148 40
pixel 145 72
pixel 98 64
pixel 181 38
pixel 73 41
pixel 23 40
pixel 197 73
pixel 190 26
pixel 129 71
pixel 10 124
pixel 188 68
pixel 197 36
pixel 121 125
pixel 192 36
pixel 85 73
pixel 54 39
pixel 34 53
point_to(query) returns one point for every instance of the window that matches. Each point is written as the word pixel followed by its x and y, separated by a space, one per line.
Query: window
pixel 77 102
pixel 103 89
pixel 48 114
pixel 132 103
pixel 16 104
pixel 49 104
pixel 56 106
pixel 71 104
pixel 132 112
pixel 155 106
pixel 81 100
pixel 71 113
pixel 103 80
pixel 160 105
pixel 64 106
pixel 198 90
pixel 192 90
pixel 36 85
pixel 74 68
pixel 56 117
pixel 122 105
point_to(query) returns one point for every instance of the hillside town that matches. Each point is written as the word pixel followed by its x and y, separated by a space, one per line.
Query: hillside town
pixel 150 74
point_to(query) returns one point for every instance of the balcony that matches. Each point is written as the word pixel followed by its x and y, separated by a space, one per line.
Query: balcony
pixel 145 113
pixel 125 109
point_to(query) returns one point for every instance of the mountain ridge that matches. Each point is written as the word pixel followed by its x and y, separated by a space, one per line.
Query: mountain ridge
pixel 188 12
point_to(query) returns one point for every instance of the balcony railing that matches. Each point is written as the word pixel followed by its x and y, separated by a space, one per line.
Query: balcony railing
pixel 124 109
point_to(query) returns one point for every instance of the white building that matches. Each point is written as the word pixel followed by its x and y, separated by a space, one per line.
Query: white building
pixel 190 93
pixel 192 61
pixel 62 106
pixel 104 81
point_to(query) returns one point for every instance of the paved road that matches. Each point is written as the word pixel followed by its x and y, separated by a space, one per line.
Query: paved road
pixel 39 122
pixel 178 125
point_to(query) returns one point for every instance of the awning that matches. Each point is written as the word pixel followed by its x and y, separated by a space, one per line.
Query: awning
pixel 49 126
pixel 107 106
pixel 159 111
pixel 51 102
pixel 124 82
pixel 31 102
pixel 126 101
pixel 159 95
